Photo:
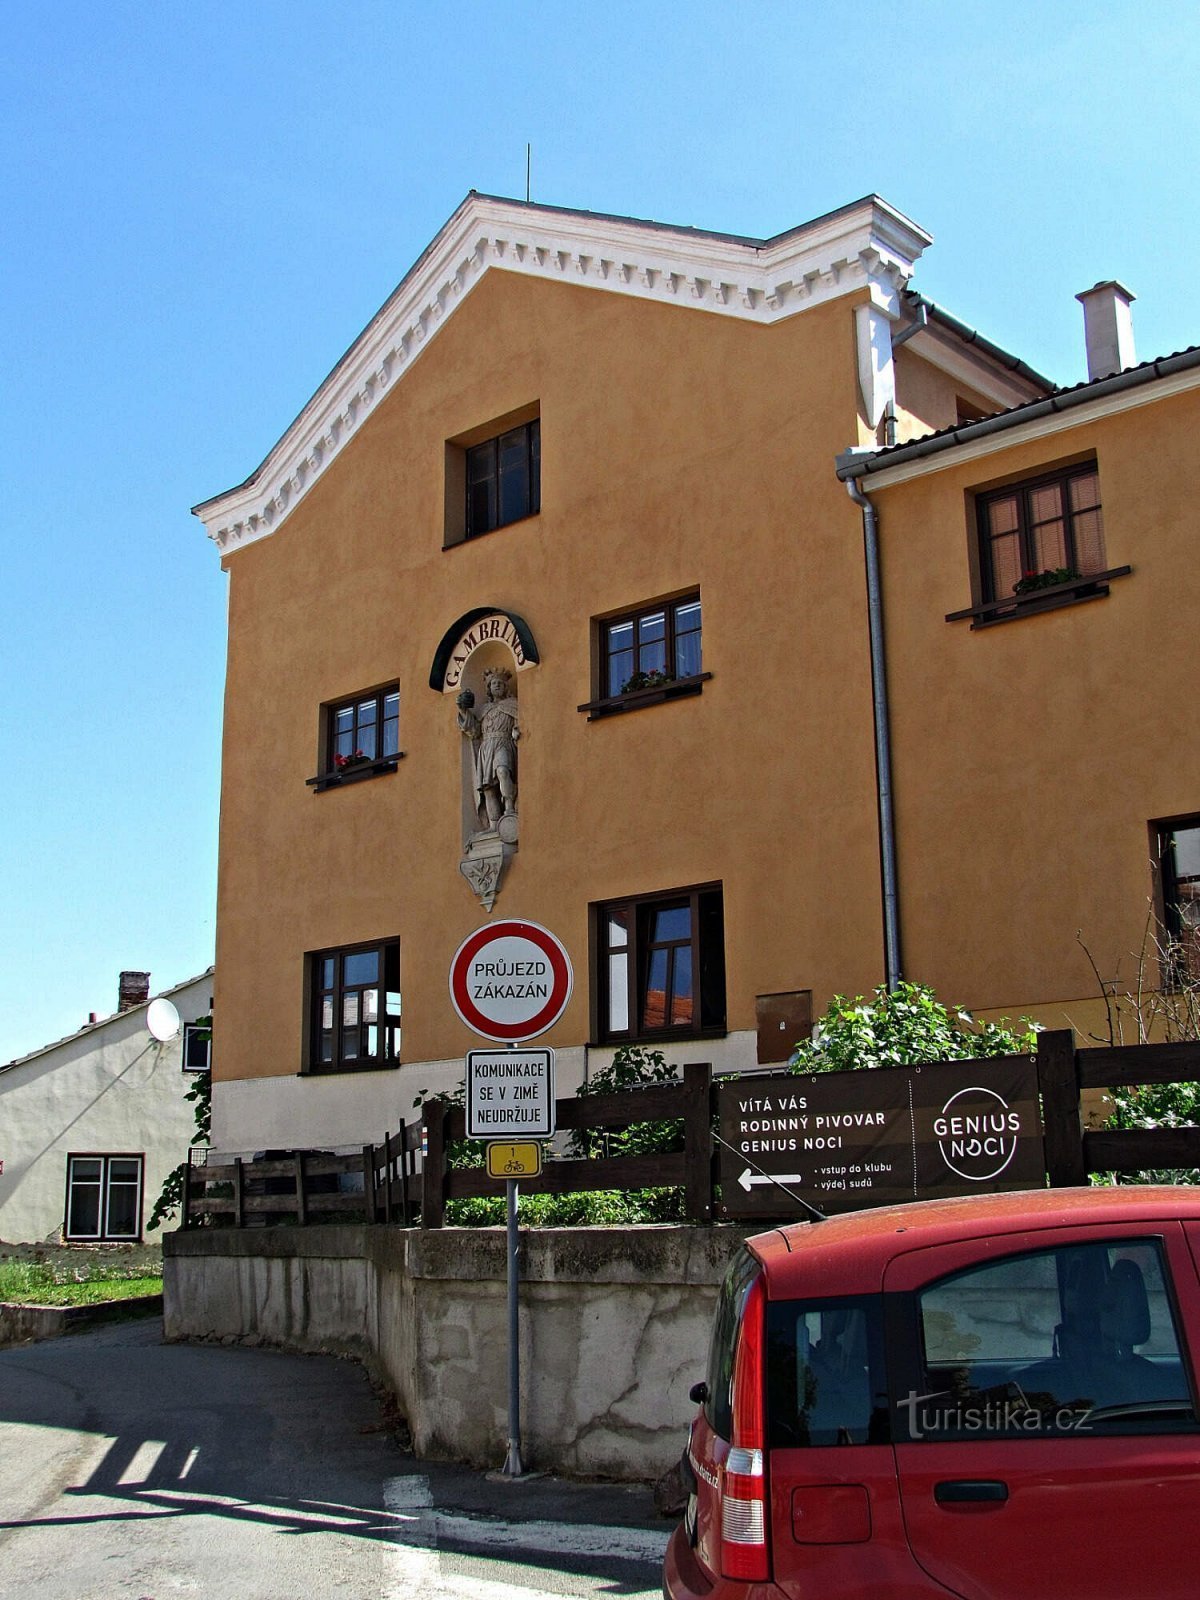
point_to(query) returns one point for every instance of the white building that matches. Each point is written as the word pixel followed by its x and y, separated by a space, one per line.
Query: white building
pixel 90 1126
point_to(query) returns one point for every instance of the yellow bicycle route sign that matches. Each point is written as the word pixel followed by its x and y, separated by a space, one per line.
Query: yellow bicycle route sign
pixel 513 1160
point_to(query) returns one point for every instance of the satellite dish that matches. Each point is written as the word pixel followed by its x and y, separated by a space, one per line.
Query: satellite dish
pixel 162 1019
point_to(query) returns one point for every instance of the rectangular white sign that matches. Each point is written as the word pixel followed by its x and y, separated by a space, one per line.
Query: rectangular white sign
pixel 510 1094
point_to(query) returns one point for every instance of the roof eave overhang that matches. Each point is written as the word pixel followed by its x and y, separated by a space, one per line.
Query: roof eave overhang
pixel 104 1022
pixel 868 245
pixel 1056 414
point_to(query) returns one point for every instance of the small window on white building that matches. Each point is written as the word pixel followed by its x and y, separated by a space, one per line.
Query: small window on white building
pixel 197 1045
pixel 104 1197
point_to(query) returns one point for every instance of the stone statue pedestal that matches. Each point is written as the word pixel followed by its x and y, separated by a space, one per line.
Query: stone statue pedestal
pixel 487 855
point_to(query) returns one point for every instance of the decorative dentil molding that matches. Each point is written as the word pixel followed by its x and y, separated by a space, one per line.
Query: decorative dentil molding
pixel 867 245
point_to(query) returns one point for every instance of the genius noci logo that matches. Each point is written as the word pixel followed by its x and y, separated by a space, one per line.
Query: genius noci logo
pixel 977 1133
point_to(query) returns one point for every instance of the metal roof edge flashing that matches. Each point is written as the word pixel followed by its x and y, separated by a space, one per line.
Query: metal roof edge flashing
pixel 857 464
pixel 969 335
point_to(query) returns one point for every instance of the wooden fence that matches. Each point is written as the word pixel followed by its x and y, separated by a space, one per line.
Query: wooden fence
pixel 381 1184
pixel 1072 1154
pixel 407 1179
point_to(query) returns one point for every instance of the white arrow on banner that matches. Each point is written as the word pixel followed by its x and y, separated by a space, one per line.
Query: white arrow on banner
pixel 775 1177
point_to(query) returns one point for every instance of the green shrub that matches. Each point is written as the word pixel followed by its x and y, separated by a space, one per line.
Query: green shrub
pixel 1155 1105
pixel 170 1201
pixel 597 1208
pixel 902 1028
pixel 1161 1004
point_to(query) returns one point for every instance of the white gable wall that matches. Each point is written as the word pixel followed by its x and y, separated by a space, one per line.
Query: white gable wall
pixel 111 1089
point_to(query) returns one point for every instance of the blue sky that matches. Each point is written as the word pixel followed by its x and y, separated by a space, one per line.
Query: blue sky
pixel 205 203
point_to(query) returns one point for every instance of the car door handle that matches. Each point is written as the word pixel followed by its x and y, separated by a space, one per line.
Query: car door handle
pixel 956 1491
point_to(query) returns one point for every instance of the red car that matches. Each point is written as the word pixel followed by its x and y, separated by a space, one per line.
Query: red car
pixel 991 1398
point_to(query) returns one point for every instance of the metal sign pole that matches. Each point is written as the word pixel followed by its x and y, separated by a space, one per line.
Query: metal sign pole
pixel 499 1107
pixel 512 1462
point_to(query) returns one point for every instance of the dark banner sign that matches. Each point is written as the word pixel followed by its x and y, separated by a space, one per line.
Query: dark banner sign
pixel 845 1140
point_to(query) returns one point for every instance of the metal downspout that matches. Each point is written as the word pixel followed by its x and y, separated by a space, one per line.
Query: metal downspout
pixel 883 743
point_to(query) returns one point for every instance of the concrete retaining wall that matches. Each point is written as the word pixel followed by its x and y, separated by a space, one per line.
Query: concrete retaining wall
pixel 148 1256
pixel 21 1323
pixel 614 1327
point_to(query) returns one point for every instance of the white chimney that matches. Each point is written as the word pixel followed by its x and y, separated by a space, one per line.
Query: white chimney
pixel 1108 328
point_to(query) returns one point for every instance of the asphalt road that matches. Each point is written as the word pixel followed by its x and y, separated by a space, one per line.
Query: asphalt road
pixel 132 1468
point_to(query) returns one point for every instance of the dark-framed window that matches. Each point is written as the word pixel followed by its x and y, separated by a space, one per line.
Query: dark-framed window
pixel 1179 875
pixel 503 478
pixel 364 728
pixel 1045 529
pixel 104 1197
pixel 360 737
pixel 648 655
pixel 354 1022
pixel 656 643
pixel 197 1045
pixel 659 965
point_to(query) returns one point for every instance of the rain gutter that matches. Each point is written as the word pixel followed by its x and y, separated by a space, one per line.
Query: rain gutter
pixel 969 335
pixel 853 464
pixel 883 741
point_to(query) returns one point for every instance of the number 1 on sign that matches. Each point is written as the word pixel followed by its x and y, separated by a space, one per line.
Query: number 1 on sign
pixel 514 1160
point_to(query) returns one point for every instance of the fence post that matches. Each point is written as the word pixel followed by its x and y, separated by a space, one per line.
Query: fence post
pixel 238 1192
pixel 697 1141
pixel 301 1197
pixel 387 1176
pixel 405 1173
pixel 433 1167
pixel 186 1220
pixel 1058 1081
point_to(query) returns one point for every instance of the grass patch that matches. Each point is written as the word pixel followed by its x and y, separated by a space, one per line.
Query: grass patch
pixel 88 1283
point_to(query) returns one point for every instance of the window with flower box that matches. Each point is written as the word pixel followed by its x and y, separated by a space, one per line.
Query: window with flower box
pixel 360 738
pixel 355 1008
pixel 1049 529
pixel 1040 544
pixel 659 966
pixel 648 655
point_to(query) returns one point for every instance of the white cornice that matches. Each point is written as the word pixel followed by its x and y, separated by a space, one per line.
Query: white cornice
pixel 1040 427
pixel 868 245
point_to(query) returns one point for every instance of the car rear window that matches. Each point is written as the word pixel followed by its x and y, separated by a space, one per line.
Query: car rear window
pixel 825 1373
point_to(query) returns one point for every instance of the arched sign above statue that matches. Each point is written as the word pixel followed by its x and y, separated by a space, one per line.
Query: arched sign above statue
pixel 477 662
pixel 471 633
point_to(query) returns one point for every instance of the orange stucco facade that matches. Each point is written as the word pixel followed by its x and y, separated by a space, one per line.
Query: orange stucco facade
pixel 1031 758
pixel 685 452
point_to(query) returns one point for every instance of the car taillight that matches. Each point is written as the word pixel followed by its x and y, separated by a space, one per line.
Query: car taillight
pixel 743 1480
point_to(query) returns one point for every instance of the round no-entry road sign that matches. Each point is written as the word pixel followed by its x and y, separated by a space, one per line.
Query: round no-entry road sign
pixel 511 981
